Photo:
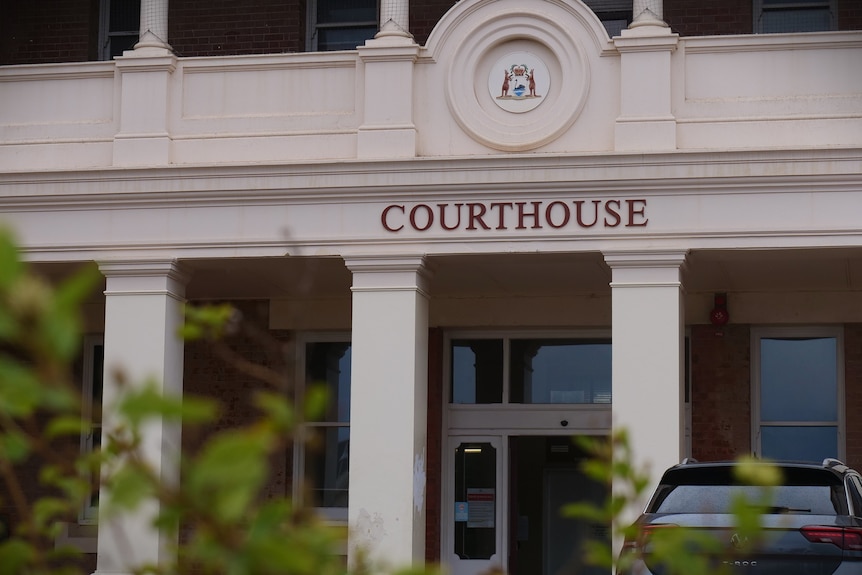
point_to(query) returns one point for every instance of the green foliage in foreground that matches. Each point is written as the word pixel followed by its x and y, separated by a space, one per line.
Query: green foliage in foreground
pixel 230 526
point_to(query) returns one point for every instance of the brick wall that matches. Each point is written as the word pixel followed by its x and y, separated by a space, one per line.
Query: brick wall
pixel 720 392
pixel 208 374
pixel 708 17
pixel 44 31
pixel 424 15
pixel 232 27
pixel 849 15
pixel 853 393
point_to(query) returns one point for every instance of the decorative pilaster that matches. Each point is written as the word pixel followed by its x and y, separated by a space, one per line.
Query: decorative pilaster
pixel 387 130
pixel 388 409
pixel 646 121
pixel 144 139
pixel 143 312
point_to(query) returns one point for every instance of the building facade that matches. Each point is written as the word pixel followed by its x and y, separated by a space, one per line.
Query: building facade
pixel 487 225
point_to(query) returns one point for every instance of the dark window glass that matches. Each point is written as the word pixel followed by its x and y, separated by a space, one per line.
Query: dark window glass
pixel 799 379
pixel 346 11
pixel 809 499
pixel 327 452
pixel 328 364
pixel 560 371
pixel 475 501
pixel 799 443
pixel 327 465
pixel 477 371
pixel 344 38
pixel 796 20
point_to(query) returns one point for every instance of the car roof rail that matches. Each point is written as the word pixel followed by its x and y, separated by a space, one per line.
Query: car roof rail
pixel 687 460
pixel 833 463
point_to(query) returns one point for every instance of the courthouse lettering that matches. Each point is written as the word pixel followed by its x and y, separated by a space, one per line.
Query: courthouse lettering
pixel 502 216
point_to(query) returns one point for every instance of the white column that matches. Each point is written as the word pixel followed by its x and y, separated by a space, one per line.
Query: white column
pixel 388 410
pixel 648 341
pixel 154 25
pixel 647 13
pixel 143 311
pixel 394 17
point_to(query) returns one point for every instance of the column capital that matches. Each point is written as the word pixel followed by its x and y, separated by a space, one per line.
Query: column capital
pixel 645 258
pixel 646 268
pixel 145 277
pixel 383 272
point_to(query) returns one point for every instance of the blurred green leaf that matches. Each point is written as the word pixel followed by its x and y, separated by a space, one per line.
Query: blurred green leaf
pixel 128 488
pixel 11 266
pixel 14 447
pixel 64 425
pixel 149 402
pixel 15 555
pixel 20 388
pixel 316 401
pixel 230 471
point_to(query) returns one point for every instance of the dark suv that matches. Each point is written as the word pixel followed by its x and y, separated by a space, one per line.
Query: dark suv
pixel 812 520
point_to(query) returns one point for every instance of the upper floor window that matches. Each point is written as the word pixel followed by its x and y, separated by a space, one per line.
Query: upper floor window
pixel 119 27
pixel 616 15
pixel 341 24
pixel 773 16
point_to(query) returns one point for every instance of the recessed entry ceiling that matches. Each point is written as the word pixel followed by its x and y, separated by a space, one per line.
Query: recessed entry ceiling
pixel 519 274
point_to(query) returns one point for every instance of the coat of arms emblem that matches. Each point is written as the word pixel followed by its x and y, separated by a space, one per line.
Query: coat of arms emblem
pixel 518 82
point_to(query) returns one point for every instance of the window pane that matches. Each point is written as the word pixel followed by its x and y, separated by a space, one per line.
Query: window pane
pixel 475 501
pixel 799 379
pixel 328 364
pixel 327 464
pixel 796 20
pixel 346 11
pixel 799 443
pixel 560 371
pixel 97 384
pixel 344 38
pixel 477 371
pixel 125 16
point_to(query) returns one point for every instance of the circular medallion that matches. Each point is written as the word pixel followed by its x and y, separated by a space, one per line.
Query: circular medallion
pixel 519 82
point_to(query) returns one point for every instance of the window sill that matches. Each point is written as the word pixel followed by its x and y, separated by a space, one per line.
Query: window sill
pixel 81 537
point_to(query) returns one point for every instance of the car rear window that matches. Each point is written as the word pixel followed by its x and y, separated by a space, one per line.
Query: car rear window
pixel 711 489
pixel 807 499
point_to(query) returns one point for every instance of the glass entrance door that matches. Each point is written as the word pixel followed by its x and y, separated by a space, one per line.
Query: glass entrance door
pixel 507 506
pixel 475 531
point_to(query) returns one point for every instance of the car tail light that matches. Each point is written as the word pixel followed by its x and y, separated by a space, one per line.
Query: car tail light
pixel 846 538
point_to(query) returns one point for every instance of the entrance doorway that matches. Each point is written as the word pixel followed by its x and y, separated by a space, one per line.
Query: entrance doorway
pixel 507 506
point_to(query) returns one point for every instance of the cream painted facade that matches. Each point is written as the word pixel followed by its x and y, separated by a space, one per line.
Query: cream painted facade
pixel 719 164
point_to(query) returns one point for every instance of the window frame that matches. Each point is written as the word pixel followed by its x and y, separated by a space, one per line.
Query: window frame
pixel 759 333
pixel 312 26
pixel 89 513
pixel 762 6
pixel 106 34
pixel 300 477
pixel 506 337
